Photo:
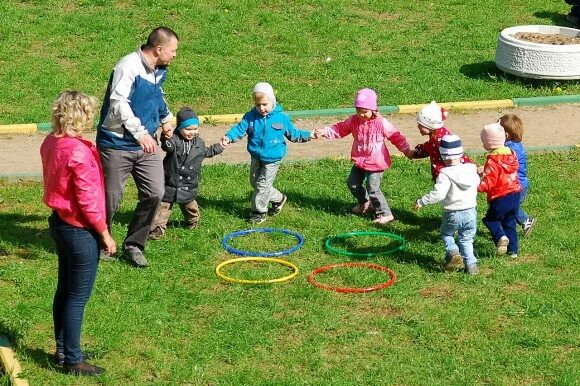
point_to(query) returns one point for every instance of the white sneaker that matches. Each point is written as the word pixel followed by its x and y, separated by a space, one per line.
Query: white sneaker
pixel 528 225
pixel 502 244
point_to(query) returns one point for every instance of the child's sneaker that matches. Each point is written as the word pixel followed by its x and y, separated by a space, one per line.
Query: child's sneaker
pixel 193 225
pixel 502 244
pixel 277 206
pixel 453 261
pixel 257 217
pixel 156 233
pixel 472 270
pixel 363 208
pixel 383 218
pixel 513 255
pixel 528 225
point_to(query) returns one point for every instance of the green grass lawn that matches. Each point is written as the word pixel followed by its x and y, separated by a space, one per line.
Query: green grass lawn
pixel 517 323
pixel 409 51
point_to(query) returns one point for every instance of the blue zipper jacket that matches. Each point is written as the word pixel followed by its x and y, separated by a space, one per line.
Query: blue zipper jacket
pixel 520 153
pixel 266 134
pixel 133 105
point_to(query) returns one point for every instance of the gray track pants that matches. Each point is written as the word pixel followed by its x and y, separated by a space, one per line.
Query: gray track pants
pixel 147 172
pixel 262 176
pixel 372 192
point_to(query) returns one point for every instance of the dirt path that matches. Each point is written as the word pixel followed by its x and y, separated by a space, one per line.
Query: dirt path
pixel 550 126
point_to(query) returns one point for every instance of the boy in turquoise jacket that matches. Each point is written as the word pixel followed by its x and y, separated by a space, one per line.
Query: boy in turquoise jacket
pixel 266 126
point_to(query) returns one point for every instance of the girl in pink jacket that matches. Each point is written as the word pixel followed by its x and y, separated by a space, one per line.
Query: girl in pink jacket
pixel 369 153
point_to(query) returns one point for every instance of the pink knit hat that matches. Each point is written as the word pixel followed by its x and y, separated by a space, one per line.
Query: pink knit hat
pixel 493 136
pixel 366 99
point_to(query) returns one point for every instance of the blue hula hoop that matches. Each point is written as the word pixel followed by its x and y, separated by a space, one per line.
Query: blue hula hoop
pixel 240 252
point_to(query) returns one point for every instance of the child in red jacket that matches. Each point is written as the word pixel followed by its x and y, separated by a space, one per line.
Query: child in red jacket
pixel 500 182
pixel 431 122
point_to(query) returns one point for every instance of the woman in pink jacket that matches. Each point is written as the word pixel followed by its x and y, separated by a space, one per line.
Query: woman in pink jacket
pixel 369 153
pixel 74 190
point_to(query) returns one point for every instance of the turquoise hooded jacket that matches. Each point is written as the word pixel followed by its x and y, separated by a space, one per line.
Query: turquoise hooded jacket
pixel 267 133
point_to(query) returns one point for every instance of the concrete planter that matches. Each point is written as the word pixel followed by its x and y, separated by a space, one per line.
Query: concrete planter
pixel 537 60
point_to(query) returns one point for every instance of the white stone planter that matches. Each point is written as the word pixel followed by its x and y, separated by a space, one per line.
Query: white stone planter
pixel 536 60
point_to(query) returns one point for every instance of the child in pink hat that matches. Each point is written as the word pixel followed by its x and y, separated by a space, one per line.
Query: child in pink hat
pixel 369 153
pixel 500 182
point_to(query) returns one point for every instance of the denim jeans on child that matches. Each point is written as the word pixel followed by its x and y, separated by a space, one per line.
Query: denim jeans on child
pixel 78 259
pixel 372 192
pixel 522 216
pixel 262 176
pixel 464 222
pixel 500 219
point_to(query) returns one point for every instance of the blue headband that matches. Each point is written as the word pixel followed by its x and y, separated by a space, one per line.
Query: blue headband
pixel 188 122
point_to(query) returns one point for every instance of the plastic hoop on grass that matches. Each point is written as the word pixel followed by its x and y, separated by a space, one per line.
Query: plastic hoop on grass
pixel 240 252
pixel 401 244
pixel 325 268
pixel 247 281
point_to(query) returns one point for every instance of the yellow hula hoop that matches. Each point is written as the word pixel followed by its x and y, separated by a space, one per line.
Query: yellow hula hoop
pixel 246 281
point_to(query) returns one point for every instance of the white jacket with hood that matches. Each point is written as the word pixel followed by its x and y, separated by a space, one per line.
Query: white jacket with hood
pixel 455 188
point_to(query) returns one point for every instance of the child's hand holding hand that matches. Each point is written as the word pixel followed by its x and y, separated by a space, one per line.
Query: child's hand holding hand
pixel 480 170
pixel 417 206
pixel 410 153
pixel 317 133
pixel 224 141
pixel 167 130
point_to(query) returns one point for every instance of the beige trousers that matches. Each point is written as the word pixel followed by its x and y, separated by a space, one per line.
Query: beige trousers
pixel 190 213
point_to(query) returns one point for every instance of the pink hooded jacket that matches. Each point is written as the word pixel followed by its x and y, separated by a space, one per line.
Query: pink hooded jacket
pixel 73 181
pixel 369 151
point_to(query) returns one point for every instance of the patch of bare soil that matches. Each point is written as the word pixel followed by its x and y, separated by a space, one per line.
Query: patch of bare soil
pixel 553 127
pixel 555 39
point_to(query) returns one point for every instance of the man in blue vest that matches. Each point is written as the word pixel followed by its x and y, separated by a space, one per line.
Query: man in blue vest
pixel 133 109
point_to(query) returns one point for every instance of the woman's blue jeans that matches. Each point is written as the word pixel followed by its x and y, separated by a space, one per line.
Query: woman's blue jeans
pixel 78 259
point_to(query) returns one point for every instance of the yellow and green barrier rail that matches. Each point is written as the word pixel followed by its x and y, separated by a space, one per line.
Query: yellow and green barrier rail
pixel 28 128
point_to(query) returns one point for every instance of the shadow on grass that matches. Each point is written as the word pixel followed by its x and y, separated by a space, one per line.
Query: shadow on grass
pixel 556 18
pixel 489 72
pixel 42 358
pixel 239 208
pixel 24 241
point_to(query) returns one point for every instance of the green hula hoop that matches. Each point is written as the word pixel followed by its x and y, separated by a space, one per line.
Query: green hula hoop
pixel 247 281
pixel 400 247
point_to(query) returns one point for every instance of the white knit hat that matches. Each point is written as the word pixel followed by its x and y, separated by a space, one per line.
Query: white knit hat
pixel 493 135
pixel 266 88
pixel 432 116
pixel 450 147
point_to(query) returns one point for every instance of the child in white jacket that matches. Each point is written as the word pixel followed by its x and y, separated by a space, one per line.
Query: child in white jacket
pixel 456 191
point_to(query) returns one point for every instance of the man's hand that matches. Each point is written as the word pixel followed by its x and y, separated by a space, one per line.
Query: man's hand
pixel 167 130
pixel 148 144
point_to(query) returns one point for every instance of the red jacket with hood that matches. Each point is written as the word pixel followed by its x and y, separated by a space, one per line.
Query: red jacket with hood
pixel 500 174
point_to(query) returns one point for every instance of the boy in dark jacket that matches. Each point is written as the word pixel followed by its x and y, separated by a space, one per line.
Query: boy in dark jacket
pixel 182 166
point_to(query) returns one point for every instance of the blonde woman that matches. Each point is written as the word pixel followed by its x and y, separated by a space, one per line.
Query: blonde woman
pixel 74 190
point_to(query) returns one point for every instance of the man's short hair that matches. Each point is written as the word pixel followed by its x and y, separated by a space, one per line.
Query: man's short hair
pixel 160 36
